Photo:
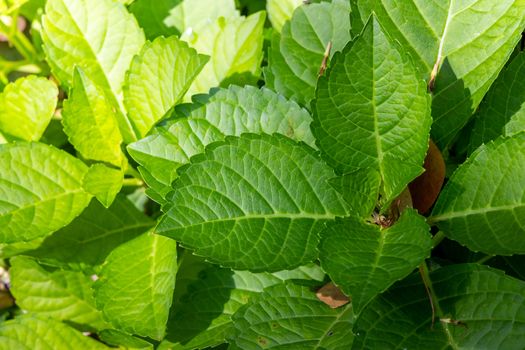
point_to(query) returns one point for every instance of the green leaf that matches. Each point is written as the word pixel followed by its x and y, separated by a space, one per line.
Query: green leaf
pixel 101 38
pixel 295 56
pixel 483 203
pixel 32 332
pixel 280 11
pixel 40 190
pixel 87 241
pixel 502 113
pixel 117 338
pixel 256 202
pixel 289 316
pixel 360 189
pixel 234 46
pixel 194 15
pixel 151 14
pixel 372 111
pixel 136 285
pixel 59 294
pixel 487 305
pixel 103 182
pixel 231 111
pixel 158 79
pixel 26 107
pixel 90 122
pixel 364 259
pixel 468 41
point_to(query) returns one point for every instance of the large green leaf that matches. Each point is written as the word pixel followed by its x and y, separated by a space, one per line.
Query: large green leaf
pixel 31 332
pixel 295 56
pixel 486 305
pixel 365 259
pixel 289 316
pixel 372 111
pixel 202 317
pixel 256 202
pixel 467 41
pixel 90 122
pixel 235 47
pixel 231 111
pixel 502 112
pixel 40 190
pixel 87 241
pixel 194 15
pixel 280 11
pixel 483 203
pixel 151 14
pixel 60 294
pixel 136 285
pixel 26 107
pixel 101 38
pixel 158 78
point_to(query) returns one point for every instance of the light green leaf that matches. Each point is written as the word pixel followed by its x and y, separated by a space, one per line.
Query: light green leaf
pixel 117 338
pixel 372 112
pixel 483 203
pixel 231 111
pixel 487 304
pixel 30 332
pixel 194 15
pixel 40 190
pixel 364 259
pixel 502 112
pixel 256 202
pixel 90 122
pixel 151 14
pixel 101 38
pixel 289 316
pixel 136 285
pixel 158 79
pixel 295 56
pixel 26 107
pixel 60 294
pixel 280 11
pixel 103 182
pixel 234 46
pixel 87 241
pixel 469 41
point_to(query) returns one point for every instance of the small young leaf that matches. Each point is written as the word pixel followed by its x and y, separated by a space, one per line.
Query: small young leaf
pixel 257 202
pixel 365 259
pixel 280 11
pixel 142 271
pixel 103 182
pixel 483 203
pixel 26 107
pixel 40 190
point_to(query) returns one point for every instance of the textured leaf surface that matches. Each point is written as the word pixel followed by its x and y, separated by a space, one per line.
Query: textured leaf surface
pixel 151 14
pixel 60 294
pixel 90 122
pixel 26 107
pixel 158 78
pixel 483 204
pixel 87 241
pixel 295 56
pixel 136 285
pixel 291 316
pixel 30 332
pixel 360 189
pixel 502 113
pixel 231 111
pixel 103 182
pixel 256 202
pixel 100 37
pixel 470 41
pixel 40 190
pixel 364 260
pixel 372 111
pixel 194 15
pixel 234 46
pixel 488 304
pixel 280 11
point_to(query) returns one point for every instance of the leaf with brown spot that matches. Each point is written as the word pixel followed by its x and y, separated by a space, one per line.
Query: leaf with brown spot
pixel 332 296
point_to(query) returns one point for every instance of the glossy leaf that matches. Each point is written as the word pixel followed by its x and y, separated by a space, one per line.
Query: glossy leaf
pixel 256 202
pixel 364 259
pixel 26 107
pixel 40 190
pixel 372 111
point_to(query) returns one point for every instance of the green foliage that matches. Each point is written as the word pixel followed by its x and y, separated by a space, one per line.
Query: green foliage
pixel 249 174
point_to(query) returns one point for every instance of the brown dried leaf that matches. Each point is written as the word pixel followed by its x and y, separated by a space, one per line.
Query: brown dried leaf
pixel 332 296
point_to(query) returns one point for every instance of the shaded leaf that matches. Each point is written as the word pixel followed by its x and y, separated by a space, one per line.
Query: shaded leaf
pixel 151 15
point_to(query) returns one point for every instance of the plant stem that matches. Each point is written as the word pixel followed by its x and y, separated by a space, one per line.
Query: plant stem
pixel 484 259
pixel 438 238
pixel 132 182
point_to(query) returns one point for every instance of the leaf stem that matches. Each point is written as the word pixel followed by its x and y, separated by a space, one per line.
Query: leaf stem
pixel 484 259
pixel 438 238
pixel 133 182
